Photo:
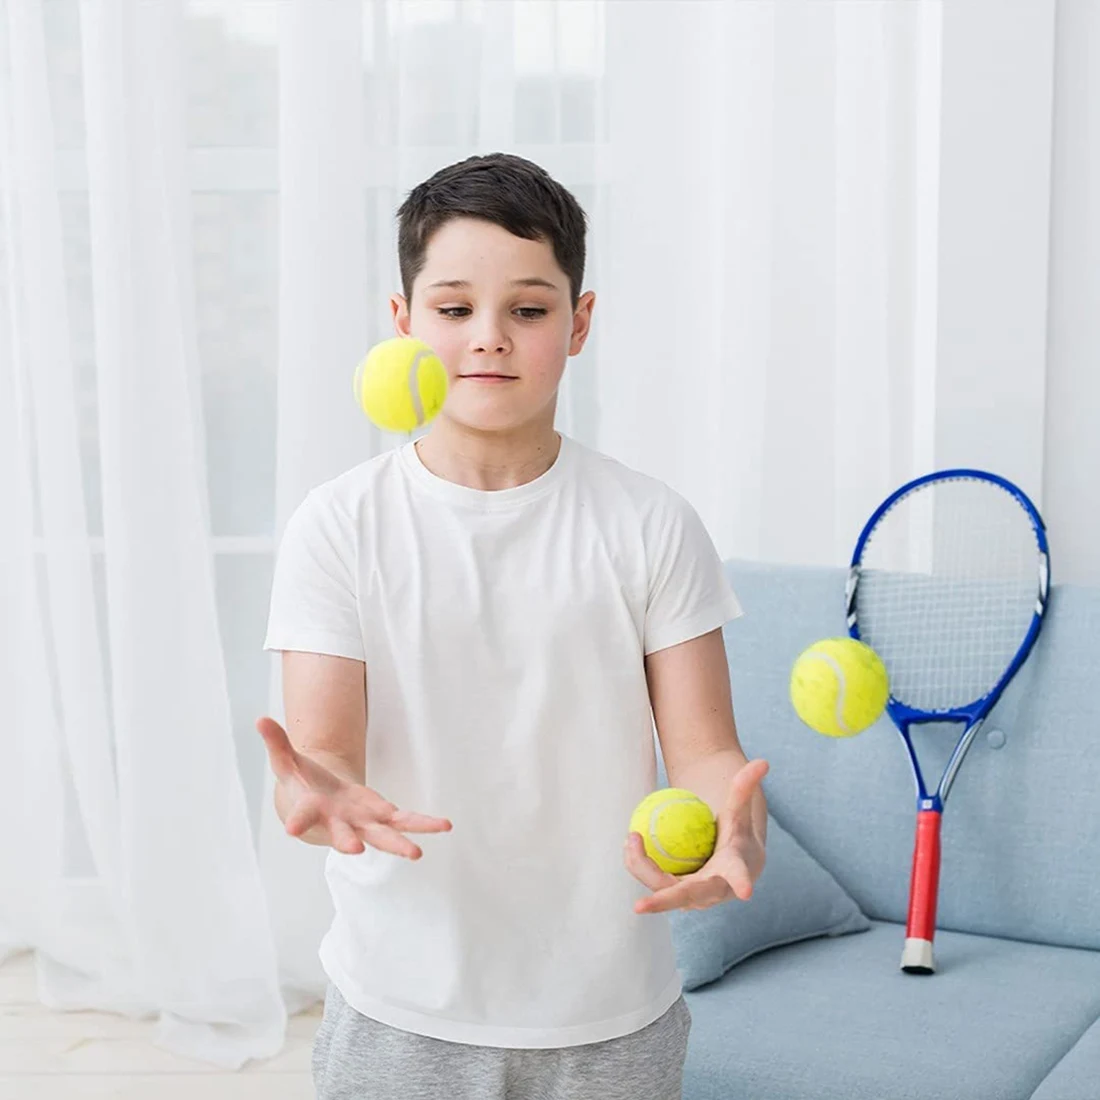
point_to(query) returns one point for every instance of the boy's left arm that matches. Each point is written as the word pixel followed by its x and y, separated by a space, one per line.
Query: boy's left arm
pixel 689 689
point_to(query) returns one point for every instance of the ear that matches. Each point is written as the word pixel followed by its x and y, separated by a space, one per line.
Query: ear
pixel 400 310
pixel 582 322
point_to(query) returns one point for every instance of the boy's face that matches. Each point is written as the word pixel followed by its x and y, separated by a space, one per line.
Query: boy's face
pixel 480 302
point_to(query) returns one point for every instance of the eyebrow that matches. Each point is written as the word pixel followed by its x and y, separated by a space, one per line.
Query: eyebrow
pixel 531 280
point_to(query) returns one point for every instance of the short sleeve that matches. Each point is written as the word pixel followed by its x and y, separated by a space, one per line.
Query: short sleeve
pixel 689 594
pixel 314 604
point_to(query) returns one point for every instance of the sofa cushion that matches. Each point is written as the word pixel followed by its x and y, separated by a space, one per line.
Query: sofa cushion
pixel 1077 1075
pixel 837 1020
pixel 1020 820
pixel 794 899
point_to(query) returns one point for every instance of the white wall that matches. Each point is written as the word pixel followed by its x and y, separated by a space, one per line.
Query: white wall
pixel 1071 462
pixel 994 213
pixel 1009 336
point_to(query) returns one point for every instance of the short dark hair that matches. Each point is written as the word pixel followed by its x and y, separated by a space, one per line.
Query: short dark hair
pixel 506 190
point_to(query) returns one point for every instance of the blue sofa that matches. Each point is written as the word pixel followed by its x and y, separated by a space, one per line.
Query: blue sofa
pixel 1013 1012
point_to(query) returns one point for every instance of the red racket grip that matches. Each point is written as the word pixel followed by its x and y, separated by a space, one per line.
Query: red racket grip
pixel 925 880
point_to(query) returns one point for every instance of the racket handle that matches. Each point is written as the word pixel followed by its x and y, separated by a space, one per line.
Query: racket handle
pixel 924 884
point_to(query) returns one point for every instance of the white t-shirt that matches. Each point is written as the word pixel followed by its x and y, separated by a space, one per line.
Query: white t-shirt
pixel 503 635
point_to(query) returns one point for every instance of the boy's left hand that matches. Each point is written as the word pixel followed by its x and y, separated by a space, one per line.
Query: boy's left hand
pixel 730 872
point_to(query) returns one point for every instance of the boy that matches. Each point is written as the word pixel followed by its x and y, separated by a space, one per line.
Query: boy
pixel 485 625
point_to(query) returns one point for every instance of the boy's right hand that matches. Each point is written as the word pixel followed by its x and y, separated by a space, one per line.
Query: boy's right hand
pixel 322 807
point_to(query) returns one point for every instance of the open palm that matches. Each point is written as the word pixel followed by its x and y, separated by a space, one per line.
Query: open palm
pixel 325 808
pixel 732 869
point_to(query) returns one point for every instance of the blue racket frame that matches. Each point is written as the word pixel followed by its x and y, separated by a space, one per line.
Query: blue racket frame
pixel 973 714
pixel 920 929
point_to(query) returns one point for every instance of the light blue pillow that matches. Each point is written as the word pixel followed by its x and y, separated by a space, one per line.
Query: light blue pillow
pixel 794 899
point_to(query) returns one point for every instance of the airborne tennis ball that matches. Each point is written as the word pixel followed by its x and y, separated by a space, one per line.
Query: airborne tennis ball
pixel 839 687
pixel 401 384
pixel 678 829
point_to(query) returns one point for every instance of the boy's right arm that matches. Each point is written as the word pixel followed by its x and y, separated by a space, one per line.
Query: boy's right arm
pixel 319 762
pixel 325 700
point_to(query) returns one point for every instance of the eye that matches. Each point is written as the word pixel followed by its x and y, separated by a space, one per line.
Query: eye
pixel 527 313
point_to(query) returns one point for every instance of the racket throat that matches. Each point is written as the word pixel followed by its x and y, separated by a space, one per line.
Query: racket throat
pixel 920 929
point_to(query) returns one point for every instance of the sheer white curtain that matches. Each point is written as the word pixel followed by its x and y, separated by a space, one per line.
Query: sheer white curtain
pixel 127 855
pixel 197 245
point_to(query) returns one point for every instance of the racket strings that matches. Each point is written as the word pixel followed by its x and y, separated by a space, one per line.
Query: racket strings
pixel 947 591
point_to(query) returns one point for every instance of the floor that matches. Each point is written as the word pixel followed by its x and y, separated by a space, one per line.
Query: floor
pixel 48 1055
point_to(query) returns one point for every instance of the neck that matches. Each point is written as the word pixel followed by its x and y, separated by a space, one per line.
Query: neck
pixel 488 460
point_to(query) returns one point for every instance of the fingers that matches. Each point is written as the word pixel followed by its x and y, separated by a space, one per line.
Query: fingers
pixel 352 837
pixel 687 894
pixel 284 760
pixel 303 817
pixel 701 890
pixel 366 807
pixel 383 828
pixel 344 838
pixel 744 785
pixel 642 867
pixel 389 840
pixel 736 875
pixel 354 817
pixel 408 821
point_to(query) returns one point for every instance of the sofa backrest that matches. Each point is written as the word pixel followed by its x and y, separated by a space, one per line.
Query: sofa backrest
pixel 1021 832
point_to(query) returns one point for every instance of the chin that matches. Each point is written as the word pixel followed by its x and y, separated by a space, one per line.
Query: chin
pixel 494 421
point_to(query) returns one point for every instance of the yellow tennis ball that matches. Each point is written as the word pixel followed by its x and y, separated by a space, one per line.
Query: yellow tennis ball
pixel 401 384
pixel 678 829
pixel 839 687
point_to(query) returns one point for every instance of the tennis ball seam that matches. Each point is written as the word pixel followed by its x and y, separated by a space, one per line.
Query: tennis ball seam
pixel 396 401
pixel 357 381
pixel 841 682
pixel 414 382
pixel 654 814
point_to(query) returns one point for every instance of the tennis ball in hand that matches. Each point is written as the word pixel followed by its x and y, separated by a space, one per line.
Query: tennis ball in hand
pixel 839 687
pixel 678 828
pixel 401 384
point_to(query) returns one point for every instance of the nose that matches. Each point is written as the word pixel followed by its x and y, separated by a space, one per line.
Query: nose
pixel 488 336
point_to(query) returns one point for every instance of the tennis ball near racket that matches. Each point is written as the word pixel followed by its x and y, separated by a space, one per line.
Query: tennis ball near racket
pixel 401 384
pixel 678 829
pixel 839 687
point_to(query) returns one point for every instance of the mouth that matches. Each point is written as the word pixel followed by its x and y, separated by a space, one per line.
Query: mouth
pixel 485 377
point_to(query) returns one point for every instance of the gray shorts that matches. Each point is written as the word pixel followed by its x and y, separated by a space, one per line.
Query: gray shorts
pixel 357 1058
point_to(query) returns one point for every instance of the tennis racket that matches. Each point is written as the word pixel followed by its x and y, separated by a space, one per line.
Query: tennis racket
pixel 948 584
